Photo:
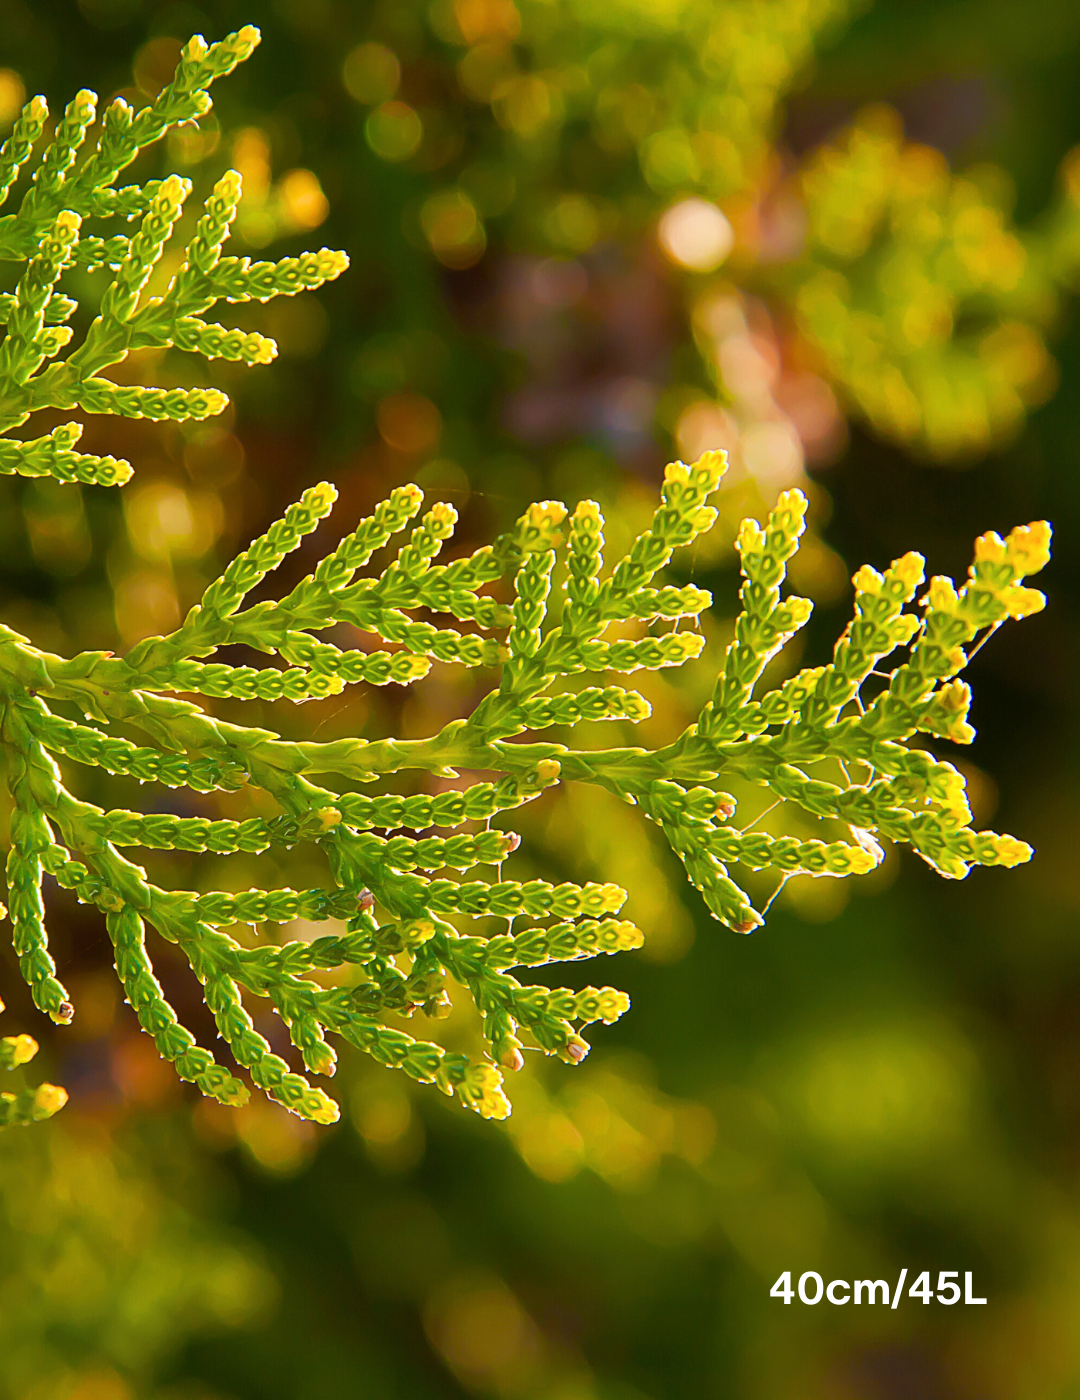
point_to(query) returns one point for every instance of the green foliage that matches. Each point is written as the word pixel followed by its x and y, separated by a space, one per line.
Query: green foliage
pixel 555 612
pixel 687 88
pixel 399 935
pixel 26 1105
pixel 912 292
pixel 111 1257
pixel 927 306
pixel 46 234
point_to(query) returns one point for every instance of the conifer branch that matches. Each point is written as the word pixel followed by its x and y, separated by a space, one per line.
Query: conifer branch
pixel 402 914
pixel 47 234
pixel 534 610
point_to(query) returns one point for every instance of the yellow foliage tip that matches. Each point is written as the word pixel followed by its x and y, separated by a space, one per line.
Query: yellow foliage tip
pixel 229 186
pixel 409 497
pixel 867 580
pixel 19 1050
pixel 947 785
pixel 50 1099
pixel 413 668
pixel 1026 550
pixel 1009 850
pixel 941 596
pixel 704 473
pixel 952 703
pixel 635 706
pixel 85 104
pixel 990 548
pixel 909 569
pixel 320 498
pixel 482 1091
pixel 799 611
pixel 690 644
pixel 320 1108
pixel 443 513
pixel 1023 602
pixel 751 537
pixel 1029 546
pixel 711 466
pixel 67 225
pixel 541 525
pixel 174 190
pixel 613 898
pixel 628 936
pixel 790 510
pixel 332 263
pixel 547 771
pixel 859 860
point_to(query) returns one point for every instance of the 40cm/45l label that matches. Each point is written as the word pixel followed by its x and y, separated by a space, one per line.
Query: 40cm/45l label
pixel 812 1289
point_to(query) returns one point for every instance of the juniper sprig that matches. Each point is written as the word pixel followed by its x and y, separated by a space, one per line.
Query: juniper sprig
pixel 407 924
pixel 539 612
pixel 46 234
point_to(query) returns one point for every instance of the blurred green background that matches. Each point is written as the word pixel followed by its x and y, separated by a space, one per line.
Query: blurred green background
pixel 586 237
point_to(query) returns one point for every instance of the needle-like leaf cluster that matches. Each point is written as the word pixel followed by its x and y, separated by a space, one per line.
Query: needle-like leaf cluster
pixel 538 613
pixel 47 234
pixel 408 939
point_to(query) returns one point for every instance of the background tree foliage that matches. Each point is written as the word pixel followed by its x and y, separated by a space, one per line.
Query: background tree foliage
pixel 536 307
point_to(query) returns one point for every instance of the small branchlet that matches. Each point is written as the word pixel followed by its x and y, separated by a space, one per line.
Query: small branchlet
pixel 48 234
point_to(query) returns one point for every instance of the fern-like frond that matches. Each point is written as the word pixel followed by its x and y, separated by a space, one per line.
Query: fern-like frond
pixel 407 920
pixel 72 187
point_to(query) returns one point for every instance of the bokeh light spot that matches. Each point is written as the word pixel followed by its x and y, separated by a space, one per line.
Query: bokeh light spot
pixel 696 235
pixel 278 1141
pixel 304 205
pixel 371 73
pixel 12 95
pixel 487 19
pixel 668 158
pixel 453 228
pixel 483 1332
pixel 394 131
pixel 573 222
pixel 409 423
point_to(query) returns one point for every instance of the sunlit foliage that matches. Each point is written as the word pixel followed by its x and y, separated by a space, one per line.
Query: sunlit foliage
pixel 912 294
pixel 405 963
